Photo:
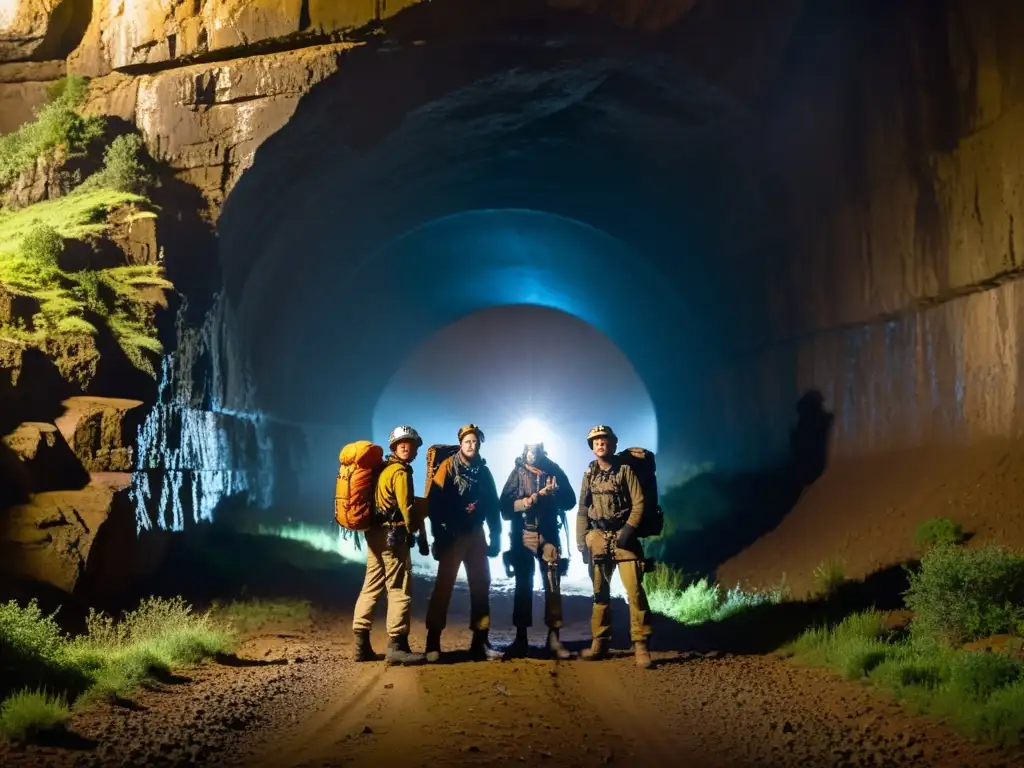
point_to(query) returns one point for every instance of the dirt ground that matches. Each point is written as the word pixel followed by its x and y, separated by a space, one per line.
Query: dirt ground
pixel 295 699
pixel 864 512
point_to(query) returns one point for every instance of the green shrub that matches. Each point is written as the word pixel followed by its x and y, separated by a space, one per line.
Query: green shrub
pixel 938 531
pixel 829 576
pixel 43 669
pixel 956 596
pixel 123 168
pixel 960 595
pixel 57 124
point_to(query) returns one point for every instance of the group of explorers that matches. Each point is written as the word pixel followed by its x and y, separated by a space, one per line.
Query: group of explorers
pixel 375 496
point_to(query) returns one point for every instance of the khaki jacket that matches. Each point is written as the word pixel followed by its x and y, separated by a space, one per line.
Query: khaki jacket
pixel 606 495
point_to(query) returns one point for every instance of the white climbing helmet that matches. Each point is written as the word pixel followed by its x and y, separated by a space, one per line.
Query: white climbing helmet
pixel 404 432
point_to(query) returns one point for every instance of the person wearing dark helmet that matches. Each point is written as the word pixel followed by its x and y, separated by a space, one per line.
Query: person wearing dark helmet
pixel 462 498
pixel 388 556
pixel 534 499
pixel 609 514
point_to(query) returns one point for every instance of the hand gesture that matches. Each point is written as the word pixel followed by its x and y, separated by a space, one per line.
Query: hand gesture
pixel 550 486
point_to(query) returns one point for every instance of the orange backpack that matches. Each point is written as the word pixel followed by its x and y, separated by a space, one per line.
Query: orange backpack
pixel 360 465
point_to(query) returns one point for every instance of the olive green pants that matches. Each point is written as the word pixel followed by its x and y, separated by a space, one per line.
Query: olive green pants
pixel 603 564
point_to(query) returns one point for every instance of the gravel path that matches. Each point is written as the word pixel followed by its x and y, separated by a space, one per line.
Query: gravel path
pixel 297 700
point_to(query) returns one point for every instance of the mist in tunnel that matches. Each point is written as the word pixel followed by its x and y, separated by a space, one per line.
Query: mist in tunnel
pixel 523 374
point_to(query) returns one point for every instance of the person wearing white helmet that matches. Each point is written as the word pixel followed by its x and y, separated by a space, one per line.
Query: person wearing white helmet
pixel 388 556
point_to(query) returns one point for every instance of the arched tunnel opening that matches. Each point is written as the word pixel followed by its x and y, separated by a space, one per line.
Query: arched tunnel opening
pixel 512 319
pixel 591 185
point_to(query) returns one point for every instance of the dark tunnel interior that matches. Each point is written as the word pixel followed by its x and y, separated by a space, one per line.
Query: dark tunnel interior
pixel 594 179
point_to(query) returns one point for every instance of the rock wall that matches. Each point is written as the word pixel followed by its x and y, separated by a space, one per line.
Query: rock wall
pixel 890 282
pixel 895 237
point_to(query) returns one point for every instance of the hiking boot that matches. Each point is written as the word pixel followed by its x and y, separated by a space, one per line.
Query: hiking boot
pixel 643 655
pixel 481 649
pixel 520 647
pixel 598 650
pixel 556 648
pixel 363 650
pixel 400 653
pixel 433 646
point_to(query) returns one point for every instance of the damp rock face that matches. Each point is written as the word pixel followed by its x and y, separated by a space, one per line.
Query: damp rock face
pixel 102 431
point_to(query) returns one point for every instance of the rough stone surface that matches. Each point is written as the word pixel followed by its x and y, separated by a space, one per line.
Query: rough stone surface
pixel 102 431
pixel 48 460
pixel 54 537
pixel 207 121
pixel 23 89
pixel 23 27
pixel 47 179
pixel 16 308
pixel 895 201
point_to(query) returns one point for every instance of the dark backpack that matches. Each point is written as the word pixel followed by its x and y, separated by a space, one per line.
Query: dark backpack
pixel 644 466
pixel 435 455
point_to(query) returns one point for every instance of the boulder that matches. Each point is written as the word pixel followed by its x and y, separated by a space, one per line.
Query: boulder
pixel 49 462
pixel 40 30
pixel 80 541
pixel 102 431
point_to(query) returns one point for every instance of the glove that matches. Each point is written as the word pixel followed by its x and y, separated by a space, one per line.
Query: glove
pixel 423 544
pixel 494 547
pixel 627 535
pixel 585 554
pixel 441 542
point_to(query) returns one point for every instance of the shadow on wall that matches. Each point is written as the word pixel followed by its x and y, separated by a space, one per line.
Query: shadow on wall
pixel 715 516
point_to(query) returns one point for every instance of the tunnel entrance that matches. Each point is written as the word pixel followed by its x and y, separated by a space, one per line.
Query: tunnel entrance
pixel 523 373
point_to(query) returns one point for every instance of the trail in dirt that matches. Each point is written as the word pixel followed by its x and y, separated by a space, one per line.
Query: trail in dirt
pixel 296 699
pixel 689 710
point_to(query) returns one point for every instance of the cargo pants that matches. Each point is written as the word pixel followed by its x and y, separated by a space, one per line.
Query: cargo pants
pixel 387 569
pixel 605 558
pixel 469 549
pixel 533 551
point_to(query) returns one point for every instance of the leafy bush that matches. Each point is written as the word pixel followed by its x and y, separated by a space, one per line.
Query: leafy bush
pixel 938 531
pixel 57 124
pixel 44 669
pixel 960 595
pixel 123 168
pixel 956 596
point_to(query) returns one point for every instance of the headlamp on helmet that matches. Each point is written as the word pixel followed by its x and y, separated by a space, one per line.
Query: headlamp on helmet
pixel 601 431
pixel 471 429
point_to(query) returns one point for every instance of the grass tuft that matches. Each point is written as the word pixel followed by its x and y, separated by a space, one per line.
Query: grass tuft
pixel 45 670
pixel 938 531
pixel 671 594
